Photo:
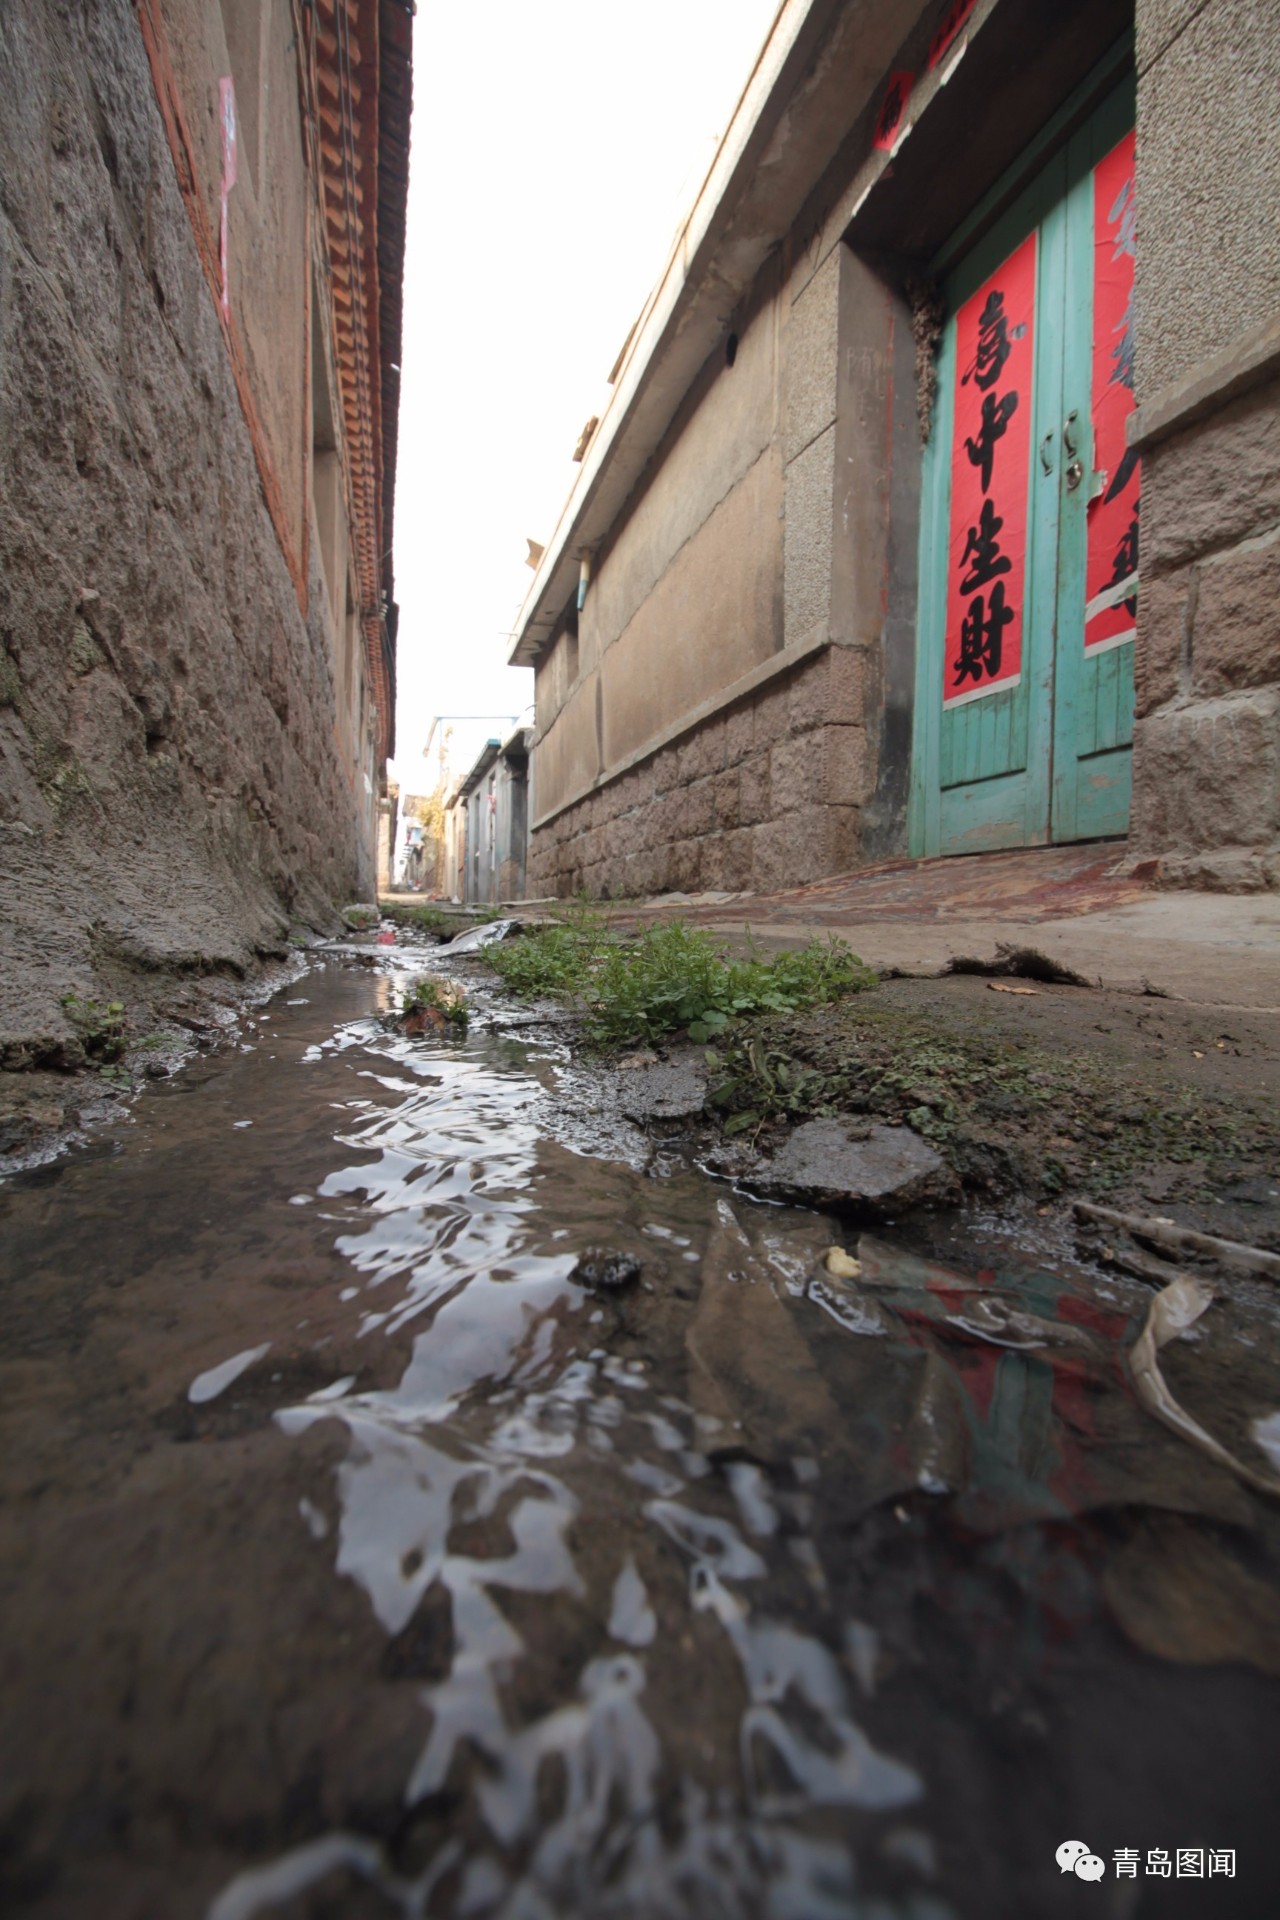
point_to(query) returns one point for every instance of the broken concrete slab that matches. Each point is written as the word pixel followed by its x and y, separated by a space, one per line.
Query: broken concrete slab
pixel 832 1163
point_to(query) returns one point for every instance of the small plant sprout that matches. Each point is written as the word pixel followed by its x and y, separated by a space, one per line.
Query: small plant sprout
pixel 99 1029
pixel 432 1005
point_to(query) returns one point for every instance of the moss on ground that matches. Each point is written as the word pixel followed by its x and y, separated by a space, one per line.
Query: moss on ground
pixel 1007 1111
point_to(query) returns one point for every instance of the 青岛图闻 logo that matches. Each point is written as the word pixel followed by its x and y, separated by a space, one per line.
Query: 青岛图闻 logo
pixel 1075 1857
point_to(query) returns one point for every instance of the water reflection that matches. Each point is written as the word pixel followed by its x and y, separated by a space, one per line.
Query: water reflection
pixel 518 1460
pixel 418 1516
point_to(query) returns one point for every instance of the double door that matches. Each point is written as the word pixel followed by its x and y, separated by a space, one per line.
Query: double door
pixel 1029 537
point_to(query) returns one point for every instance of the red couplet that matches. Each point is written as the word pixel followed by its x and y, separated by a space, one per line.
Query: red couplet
pixel 948 27
pixel 1111 579
pixel 990 479
pixel 892 108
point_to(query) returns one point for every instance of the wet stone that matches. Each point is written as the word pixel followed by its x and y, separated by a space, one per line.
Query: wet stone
pixel 601 1271
pixel 829 1163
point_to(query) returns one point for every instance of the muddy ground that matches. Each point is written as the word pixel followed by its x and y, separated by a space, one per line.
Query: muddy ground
pixel 1055 1092
pixel 1036 1093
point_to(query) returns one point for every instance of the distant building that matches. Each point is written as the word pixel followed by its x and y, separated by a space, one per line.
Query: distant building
pixel 488 840
pixel 201 244
pixel 388 822
pixel 852 565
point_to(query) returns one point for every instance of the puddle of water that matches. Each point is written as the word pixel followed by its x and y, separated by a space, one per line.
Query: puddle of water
pixel 364 1561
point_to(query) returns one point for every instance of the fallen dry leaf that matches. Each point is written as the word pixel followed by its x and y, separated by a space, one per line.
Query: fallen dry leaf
pixel 1006 986
pixel 1174 1309
pixel 842 1264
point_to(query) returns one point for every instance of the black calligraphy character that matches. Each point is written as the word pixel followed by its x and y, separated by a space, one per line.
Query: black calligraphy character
pixel 996 415
pixel 982 637
pixel 951 23
pixel 994 343
pixel 891 112
pixel 983 546
pixel 1125 563
pixel 1123 353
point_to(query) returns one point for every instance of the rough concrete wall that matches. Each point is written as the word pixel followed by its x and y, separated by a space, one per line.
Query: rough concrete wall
pixel 169 788
pixel 812 357
pixel 1208 265
pixel 568 752
pixel 734 551
pixel 711 617
pixel 1207 731
pixel 762 796
pixel 728 429
pixel 688 596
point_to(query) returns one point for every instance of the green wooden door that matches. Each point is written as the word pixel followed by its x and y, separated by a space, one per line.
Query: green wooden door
pixel 1028 560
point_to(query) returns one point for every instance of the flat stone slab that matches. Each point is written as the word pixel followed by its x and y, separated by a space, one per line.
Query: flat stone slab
pixel 831 1163
pixel 674 1089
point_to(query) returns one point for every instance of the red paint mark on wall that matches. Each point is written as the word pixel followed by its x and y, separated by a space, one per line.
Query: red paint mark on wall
pixel 990 476
pixel 227 121
pixel 948 27
pixel 182 150
pixel 892 108
pixel 1111 574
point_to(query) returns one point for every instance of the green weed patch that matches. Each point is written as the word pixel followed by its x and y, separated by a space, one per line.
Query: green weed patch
pixel 99 1029
pixel 669 978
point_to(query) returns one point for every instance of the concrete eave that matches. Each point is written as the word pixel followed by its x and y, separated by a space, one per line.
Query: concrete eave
pixel 484 760
pixel 813 75
pixel 516 746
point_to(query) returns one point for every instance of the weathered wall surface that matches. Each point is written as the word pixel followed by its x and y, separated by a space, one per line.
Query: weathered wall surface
pixel 781 517
pixel 170 790
pixel 687 596
pixel 721 572
pixel 1207 733
pixel 1208 266
pixel 763 795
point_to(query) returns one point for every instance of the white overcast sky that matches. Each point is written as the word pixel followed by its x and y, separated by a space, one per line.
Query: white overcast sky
pixel 555 148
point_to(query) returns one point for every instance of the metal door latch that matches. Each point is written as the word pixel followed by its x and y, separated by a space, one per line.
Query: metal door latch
pixel 1075 472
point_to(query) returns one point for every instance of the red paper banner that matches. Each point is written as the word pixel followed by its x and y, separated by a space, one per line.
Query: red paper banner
pixel 990 477
pixel 1111 573
pixel 948 27
pixel 892 107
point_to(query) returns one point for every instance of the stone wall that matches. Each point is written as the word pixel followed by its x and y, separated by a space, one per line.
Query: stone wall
pixel 764 795
pixel 1207 730
pixel 171 795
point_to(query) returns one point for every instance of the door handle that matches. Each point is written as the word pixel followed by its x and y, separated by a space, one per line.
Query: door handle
pixel 1046 456
pixel 1068 432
